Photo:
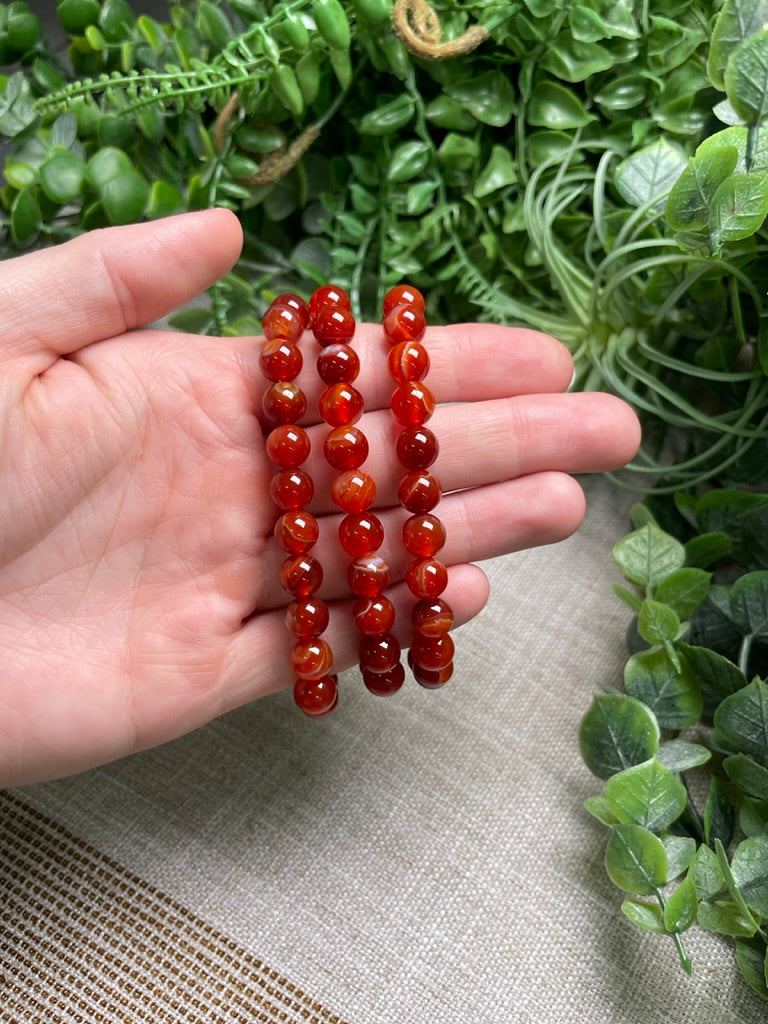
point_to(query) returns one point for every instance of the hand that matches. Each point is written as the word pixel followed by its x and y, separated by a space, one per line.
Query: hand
pixel 139 593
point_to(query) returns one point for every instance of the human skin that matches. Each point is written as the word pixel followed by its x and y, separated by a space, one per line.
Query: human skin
pixel 139 593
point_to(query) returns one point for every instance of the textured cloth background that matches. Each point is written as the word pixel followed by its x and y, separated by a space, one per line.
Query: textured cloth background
pixel 424 859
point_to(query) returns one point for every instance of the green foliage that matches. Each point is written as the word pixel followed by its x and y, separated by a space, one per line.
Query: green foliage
pixel 696 701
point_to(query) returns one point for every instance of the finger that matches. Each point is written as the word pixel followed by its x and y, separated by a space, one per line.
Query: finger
pixel 103 283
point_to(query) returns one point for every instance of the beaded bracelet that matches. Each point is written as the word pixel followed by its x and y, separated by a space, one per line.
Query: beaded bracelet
pixel 404 323
pixel 291 489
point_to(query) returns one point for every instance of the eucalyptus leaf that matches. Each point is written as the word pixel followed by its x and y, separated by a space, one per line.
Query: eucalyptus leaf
pixel 742 719
pixel 752 960
pixel 683 590
pixel 681 907
pixel 737 20
pixel 681 851
pixel 719 816
pixel 646 794
pixel 657 622
pixel 648 916
pixel 739 207
pixel 748 775
pixel 749 865
pixel 689 202
pixel 746 77
pixel 648 175
pixel 682 755
pixel 748 600
pixel 647 555
pixel 635 859
pixel 616 732
pixel 671 693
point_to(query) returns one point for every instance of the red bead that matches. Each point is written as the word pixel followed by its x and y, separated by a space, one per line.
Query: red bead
pixel 328 295
pixel 373 615
pixel 408 361
pixel 288 445
pixel 282 322
pixel 423 536
pixel 311 658
pixel 316 697
pixel 430 679
pixel 416 447
pixel 346 447
pixel 307 617
pixel 284 402
pixel 296 532
pixel 426 577
pixel 412 403
pixel 280 359
pixel 361 533
pixel 295 302
pixel 368 576
pixel 403 295
pixel 301 575
pixel 431 618
pixel 379 653
pixel 331 325
pixel 419 491
pixel 291 489
pixel 384 684
pixel 432 652
pixel 338 364
pixel 404 323
pixel 340 405
pixel 353 491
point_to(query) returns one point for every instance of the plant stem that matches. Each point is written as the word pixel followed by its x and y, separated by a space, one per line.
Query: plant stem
pixel 744 652
pixel 685 960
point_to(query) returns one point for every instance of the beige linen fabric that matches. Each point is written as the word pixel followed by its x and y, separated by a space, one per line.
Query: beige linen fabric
pixel 419 860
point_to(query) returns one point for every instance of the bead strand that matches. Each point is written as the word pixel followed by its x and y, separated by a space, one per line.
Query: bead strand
pixel 291 489
pixel 419 491
pixel 361 533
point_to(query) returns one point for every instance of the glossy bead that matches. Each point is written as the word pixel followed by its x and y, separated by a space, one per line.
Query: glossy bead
pixel 328 295
pixel 373 615
pixel 423 536
pixel 333 325
pixel 408 361
pixel 338 364
pixel 307 617
pixel 280 359
pixel 412 403
pixel 430 679
pixel 296 532
pixel 353 491
pixel 288 445
pixel 416 447
pixel 368 575
pixel 341 405
pixel 403 295
pixel 311 658
pixel 432 652
pixel 345 447
pixel 361 533
pixel 379 653
pixel 291 489
pixel 282 322
pixel 431 618
pixel 301 575
pixel 384 684
pixel 316 697
pixel 426 577
pixel 284 402
pixel 404 323
pixel 295 302
pixel 419 491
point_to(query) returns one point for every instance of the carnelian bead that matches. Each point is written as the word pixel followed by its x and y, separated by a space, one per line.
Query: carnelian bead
pixel 416 447
pixel 368 575
pixel 338 364
pixel 346 447
pixel 280 359
pixel 307 617
pixel 379 653
pixel 408 361
pixel 419 491
pixel 430 679
pixel 291 489
pixel 403 295
pixel 361 533
pixel 373 615
pixel 296 531
pixel 412 403
pixel 404 323
pixel 301 575
pixel 353 491
pixel 432 652
pixel 311 658
pixel 423 535
pixel 331 325
pixel 284 402
pixel 431 618
pixel 295 302
pixel 316 697
pixel 340 405
pixel 328 295
pixel 384 684
pixel 426 577
pixel 288 445
pixel 282 322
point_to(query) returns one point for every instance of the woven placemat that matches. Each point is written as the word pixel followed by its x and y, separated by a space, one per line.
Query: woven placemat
pixel 84 940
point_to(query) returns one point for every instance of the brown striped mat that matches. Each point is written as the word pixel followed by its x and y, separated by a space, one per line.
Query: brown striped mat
pixel 83 940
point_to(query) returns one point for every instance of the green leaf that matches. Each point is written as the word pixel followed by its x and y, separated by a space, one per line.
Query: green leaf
pixel 648 175
pixel 62 176
pixel 635 860
pixel 499 172
pixel 615 733
pixel 164 200
pixel 746 78
pixel 107 163
pixel 689 202
pixel 26 219
pixel 748 599
pixel 681 907
pixel 646 794
pixel 647 555
pixel 671 694
pixel 682 755
pixel 628 597
pixel 408 160
pixel 680 853
pixel 192 321
pixel 683 590
pixel 739 207
pixel 742 719
pixel 749 866
pixel 657 623
pixel 752 960
pixel 737 20
pixel 555 106
pixel 748 775
pixel 488 97
pixel 725 918
pixel 707 876
pixel 753 816
pixel 733 886
pixel 124 197
pixel 719 815
pixel 599 808
pixel 707 549
pixel 647 916
pixel 574 60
